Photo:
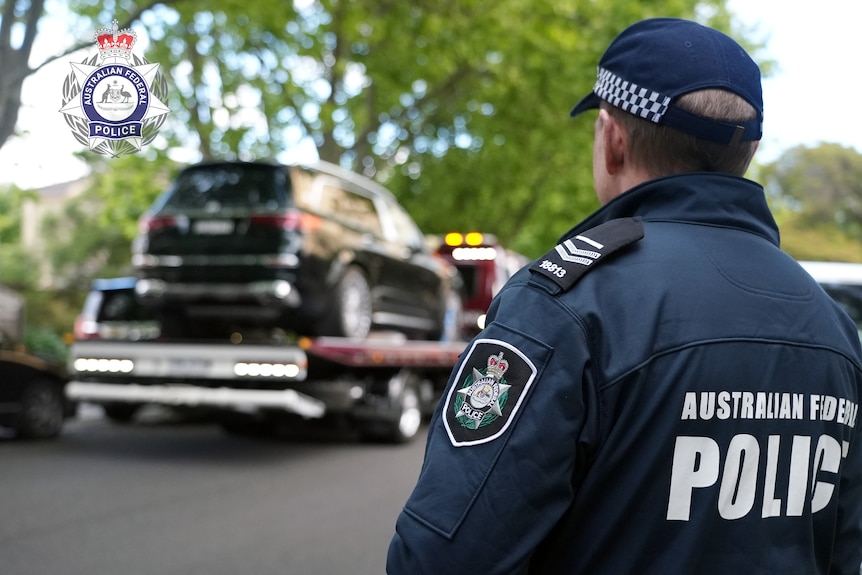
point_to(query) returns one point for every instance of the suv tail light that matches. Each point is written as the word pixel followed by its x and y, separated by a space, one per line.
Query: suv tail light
pixel 292 220
pixel 154 223
pixel 85 328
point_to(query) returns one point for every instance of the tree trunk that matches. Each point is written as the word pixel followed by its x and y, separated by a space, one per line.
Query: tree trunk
pixel 14 62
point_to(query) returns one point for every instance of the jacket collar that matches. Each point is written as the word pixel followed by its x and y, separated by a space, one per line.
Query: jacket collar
pixel 703 198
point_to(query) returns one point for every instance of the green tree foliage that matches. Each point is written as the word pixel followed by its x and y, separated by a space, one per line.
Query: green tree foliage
pixel 12 200
pixel 18 269
pixel 20 272
pixel 823 184
pixel 93 235
pixel 825 241
pixel 512 161
pixel 459 106
pixel 816 194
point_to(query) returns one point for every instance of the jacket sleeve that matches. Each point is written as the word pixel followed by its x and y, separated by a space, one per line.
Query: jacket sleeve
pixel 502 447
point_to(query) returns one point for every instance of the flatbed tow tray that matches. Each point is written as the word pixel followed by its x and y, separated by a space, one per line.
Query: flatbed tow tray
pixel 161 372
pixel 384 352
pixel 173 372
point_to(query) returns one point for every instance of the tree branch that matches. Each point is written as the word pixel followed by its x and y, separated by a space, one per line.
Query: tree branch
pixel 30 30
pixel 6 27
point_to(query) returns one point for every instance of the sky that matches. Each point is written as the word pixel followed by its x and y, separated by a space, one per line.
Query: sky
pixel 811 97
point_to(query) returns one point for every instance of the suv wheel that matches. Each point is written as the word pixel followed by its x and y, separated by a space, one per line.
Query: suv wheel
pixel 404 417
pixel 352 311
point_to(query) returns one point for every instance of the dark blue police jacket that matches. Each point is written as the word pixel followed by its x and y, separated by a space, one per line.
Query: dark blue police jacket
pixel 665 392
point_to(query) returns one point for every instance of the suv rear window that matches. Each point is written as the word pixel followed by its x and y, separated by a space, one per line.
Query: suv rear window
pixel 212 187
pixel 354 210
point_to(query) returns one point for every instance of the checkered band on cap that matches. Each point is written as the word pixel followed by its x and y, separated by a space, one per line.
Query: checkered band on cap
pixel 630 97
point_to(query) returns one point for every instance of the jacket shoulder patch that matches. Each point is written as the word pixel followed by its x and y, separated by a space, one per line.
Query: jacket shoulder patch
pixel 572 258
pixel 490 386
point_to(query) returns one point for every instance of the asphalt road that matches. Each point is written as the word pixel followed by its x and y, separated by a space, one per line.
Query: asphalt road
pixel 163 497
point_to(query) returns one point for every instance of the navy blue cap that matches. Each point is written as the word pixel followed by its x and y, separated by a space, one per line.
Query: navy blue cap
pixel 652 63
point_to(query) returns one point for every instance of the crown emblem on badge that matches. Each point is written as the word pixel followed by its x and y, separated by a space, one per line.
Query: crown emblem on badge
pixel 115 43
pixel 497 366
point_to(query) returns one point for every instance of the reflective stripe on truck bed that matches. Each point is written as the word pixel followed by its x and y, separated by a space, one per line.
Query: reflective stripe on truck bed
pixel 191 395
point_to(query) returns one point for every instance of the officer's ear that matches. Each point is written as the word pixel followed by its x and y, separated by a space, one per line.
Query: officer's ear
pixel 614 141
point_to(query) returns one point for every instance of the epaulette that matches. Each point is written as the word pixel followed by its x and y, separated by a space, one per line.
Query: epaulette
pixel 571 259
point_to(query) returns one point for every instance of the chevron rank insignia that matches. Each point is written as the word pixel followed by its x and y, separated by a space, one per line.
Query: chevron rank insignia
pixel 574 257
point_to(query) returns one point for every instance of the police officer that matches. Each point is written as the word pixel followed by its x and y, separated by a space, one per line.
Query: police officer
pixel 666 391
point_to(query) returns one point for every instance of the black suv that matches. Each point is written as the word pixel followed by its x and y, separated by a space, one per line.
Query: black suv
pixel 308 249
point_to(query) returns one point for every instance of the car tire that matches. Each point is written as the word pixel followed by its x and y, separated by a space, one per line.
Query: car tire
pixel 404 423
pixel 42 410
pixel 351 314
pixel 121 412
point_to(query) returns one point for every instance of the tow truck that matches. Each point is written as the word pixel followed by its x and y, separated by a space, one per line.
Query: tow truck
pixel 383 385
pixel 484 266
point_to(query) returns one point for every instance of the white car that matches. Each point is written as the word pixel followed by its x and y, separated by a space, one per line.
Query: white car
pixel 843 282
